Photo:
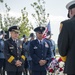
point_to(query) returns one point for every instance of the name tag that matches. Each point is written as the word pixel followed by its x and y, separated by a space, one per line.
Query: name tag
pixel 35 47
pixel 11 47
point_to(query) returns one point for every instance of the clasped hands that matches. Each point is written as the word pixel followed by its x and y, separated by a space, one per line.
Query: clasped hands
pixel 42 62
pixel 18 63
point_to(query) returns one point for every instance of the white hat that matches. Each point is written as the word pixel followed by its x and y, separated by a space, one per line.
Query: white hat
pixel 70 5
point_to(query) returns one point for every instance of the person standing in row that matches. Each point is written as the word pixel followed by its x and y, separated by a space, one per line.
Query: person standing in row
pixel 2 58
pixel 14 53
pixel 25 48
pixel 51 43
pixel 32 37
pixel 66 40
pixel 40 53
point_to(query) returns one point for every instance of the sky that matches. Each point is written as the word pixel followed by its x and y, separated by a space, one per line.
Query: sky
pixel 56 9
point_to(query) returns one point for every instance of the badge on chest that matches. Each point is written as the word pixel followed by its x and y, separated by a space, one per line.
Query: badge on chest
pixel 46 45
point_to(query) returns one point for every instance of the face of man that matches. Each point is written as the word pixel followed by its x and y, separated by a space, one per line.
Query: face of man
pixel 39 35
pixel 31 38
pixel 71 12
pixel 25 39
pixel 14 35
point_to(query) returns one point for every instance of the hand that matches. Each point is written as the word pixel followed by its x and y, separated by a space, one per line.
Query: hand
pixel 42 62
pixel 18 63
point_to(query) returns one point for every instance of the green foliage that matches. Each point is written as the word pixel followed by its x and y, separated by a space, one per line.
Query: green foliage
pixel 40 14
pixel 9 20
pixel 1 26
pixel 22 21
pixel 1 1
pixel 24 26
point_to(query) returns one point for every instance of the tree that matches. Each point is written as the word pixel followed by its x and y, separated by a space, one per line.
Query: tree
pixel 9 20
pixel 25 26
pixel 40 14
pixel 1 22
pixel 6 21
pixel 1 1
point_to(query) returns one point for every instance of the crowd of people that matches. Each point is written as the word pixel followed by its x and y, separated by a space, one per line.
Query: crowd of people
pixel 32 57
pixel 25 56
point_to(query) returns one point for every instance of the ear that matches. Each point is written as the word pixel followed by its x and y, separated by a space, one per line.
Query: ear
pixel 71 11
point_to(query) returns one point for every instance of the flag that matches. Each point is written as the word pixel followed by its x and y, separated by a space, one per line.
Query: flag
pixel 48 28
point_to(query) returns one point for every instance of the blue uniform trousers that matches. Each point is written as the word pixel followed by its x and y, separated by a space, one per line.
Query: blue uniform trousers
pixel 2 65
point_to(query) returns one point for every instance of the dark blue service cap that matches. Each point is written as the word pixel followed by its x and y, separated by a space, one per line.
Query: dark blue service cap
pixel 24 36
pixel 2 32
pixel 49 33
pixel 39 29
pixel 32 35
pixel 14 28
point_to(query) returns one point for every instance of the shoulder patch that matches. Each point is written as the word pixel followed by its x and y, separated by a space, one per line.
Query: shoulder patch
pixel 61 25
pixel 46 45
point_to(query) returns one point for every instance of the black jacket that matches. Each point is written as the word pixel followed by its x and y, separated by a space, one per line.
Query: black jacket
pixel 13 52
pixel 66 44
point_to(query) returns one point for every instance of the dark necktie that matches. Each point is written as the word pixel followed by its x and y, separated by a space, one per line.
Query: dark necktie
pixel 41 44
pixel 14 42
pixel 40 41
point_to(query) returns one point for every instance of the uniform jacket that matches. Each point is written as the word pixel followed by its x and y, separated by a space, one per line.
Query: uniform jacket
pixel 26 49
pixel 39 53
pixel 52 46
pixel 1 49
pixel 12 53
pixel 66 44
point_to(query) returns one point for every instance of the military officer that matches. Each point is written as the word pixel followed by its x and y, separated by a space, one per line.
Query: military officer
pixel 66 40
pixel 14 53
pixel 40 53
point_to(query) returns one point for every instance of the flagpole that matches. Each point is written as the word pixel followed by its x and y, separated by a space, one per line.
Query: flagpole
pixel 48 18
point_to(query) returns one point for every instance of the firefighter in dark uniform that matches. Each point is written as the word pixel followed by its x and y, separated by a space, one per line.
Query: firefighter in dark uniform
pixel 40 53
pixel 66 40
pixel 14 53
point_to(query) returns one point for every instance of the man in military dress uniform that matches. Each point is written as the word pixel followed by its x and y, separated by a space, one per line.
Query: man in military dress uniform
pixel 66 40
pixel 14 53
pixel 40 53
